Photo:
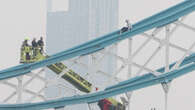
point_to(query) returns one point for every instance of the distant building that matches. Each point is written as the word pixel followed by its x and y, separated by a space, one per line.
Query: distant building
pixel 84 20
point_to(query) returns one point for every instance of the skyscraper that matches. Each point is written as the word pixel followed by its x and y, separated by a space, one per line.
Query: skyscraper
pixel 84 20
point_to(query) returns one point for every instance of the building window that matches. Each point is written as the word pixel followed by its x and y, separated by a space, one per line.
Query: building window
pixel 60 5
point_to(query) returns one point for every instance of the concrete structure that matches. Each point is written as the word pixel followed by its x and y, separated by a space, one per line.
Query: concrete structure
pixel 84 20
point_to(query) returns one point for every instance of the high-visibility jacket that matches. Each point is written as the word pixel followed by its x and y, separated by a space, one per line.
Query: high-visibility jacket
pixel 27 49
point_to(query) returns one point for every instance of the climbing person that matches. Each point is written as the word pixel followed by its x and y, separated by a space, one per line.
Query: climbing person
pixel 128 27
pixel 34 47
pixel 41 44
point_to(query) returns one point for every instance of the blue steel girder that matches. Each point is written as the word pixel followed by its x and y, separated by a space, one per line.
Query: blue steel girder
pixel 169 15
pixel 94 97
pixel 149 79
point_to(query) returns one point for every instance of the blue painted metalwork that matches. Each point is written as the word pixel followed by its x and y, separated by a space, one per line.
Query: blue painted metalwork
pixel 105 40
pixel 149 79
pixel 90 98
pixel 187 60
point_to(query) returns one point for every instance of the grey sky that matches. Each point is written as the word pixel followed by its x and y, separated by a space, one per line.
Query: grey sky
pixel 20 18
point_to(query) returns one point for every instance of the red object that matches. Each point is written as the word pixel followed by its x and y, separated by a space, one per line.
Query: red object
pixel 106 104
pixel 96 89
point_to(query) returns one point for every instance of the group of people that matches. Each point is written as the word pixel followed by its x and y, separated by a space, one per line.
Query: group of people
pixel 40 43
pixel 36 45
pixel 34 42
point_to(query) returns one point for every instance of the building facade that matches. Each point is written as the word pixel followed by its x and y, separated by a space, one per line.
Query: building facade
pixel 84 20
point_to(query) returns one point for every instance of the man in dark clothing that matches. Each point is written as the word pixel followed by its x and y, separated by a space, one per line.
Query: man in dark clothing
pixel 34 43
pixel 128 27
pixel 34 46
pixel 41 44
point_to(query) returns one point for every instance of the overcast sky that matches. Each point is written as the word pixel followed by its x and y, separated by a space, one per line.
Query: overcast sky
pixel 21 18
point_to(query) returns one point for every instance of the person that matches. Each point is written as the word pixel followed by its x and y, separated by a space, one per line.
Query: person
pixel 26 48
pixel 34 47
pixel 41 44
pixel 34 43
pixel 23 49
pixel 25 42
pixel 128 27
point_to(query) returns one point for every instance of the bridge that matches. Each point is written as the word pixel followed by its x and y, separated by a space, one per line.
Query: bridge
pixel 147 74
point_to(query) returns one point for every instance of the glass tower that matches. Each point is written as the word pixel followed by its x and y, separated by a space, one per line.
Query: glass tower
pixel 84 20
